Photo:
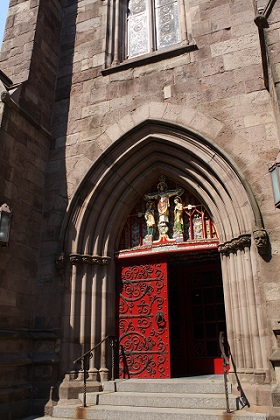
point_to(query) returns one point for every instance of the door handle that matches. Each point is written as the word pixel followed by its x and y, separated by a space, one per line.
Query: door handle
pixel 160 319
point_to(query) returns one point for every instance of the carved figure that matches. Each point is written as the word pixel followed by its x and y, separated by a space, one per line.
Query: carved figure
pixel 150 218
pixel 163 195
pixel 261 240
pixel 197 227
pixel 178 216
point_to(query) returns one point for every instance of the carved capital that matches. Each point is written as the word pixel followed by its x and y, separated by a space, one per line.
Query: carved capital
pixel 232 246
pixel 243 241
pixel 88 259
pixel 95 260
pixel 75 259
pixel 105 260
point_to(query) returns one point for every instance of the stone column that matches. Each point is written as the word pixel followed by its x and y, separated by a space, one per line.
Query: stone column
pixel 68 283
pixel 227 299
pixel 93 371
pixel 253 317
pixel 86 305
pixel 90 282
pixel 82 323
pixel 239 359
pixel 245 333
pixel 73 294
pixel 103 365
pixel 241 306
pixel 116 59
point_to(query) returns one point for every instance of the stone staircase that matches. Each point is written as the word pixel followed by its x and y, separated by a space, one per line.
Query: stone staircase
pixel 195 398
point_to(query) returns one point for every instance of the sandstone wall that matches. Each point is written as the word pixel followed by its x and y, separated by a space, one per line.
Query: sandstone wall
pixel 29 57
pixel 29 54
pixel 222 79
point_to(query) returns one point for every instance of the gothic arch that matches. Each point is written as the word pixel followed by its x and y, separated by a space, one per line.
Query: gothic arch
pixel 120 176
pixel 104 199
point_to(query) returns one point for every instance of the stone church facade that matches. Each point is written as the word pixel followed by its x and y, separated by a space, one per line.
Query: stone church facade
pixel 99 106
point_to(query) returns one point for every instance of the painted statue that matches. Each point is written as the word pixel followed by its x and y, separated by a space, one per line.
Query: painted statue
pixel 162 196
pixel 150 218
pixel 178 227
pixel 197 227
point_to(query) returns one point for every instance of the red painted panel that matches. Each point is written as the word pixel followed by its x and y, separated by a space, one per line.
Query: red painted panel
pixel 143 321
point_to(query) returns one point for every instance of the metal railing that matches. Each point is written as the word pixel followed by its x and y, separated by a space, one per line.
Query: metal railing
pixel 226 354
pixel 84 359
pixel 222 342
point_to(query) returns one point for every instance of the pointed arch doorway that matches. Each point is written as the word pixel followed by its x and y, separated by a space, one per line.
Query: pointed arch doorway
pixel 196 317
pixel 170 306
pixel 92 229
pixel 172 328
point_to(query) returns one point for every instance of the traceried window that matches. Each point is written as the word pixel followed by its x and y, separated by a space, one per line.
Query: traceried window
pixel 137 28
pixel 151 25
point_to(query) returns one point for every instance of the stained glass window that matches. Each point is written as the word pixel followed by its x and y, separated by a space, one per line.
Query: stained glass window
pixel 151 25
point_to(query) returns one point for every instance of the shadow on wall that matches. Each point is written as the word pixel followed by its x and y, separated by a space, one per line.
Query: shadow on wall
pixel 53 284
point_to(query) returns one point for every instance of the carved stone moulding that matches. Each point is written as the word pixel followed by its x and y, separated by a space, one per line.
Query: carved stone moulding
pixel 234 244
pixel 88 259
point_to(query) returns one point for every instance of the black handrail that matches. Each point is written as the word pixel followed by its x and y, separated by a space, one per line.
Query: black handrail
pixel 89 354
pixel 225 354
pixel 222 341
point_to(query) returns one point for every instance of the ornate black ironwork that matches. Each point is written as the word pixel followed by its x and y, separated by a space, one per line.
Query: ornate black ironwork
pixel 83 361
pixel 222 340
pixel 142 349
pixel 225 354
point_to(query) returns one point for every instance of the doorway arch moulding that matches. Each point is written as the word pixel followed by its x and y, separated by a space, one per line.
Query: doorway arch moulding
pixel 116 181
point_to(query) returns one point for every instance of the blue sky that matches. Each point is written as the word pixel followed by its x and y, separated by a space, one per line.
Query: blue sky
pixel 3 17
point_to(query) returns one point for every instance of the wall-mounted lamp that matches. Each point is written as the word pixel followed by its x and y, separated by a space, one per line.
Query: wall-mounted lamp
pixel 5 224
pixel 275 178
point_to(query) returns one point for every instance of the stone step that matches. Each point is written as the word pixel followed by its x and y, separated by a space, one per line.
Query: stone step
pixel 196 398
pixel 164 400
pixel 211 384
pixel 106 412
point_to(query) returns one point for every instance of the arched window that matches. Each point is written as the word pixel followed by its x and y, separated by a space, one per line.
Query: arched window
pixel 139 27
pixel 151 25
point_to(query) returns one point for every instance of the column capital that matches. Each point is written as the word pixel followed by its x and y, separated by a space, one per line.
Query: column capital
pixel 234 244
pixel 81 259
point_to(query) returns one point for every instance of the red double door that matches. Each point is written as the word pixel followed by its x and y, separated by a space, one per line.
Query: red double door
pixel 169 319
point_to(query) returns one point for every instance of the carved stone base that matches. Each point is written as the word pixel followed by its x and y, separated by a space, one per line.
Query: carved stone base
pixel 273 414
pixel 71 388
pixel 93 375
pixel 104 374
pixel 148 240
pixel 276 396
pixel 257 395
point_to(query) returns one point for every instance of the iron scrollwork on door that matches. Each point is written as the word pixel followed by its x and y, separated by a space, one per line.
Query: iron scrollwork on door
pixel 143 329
